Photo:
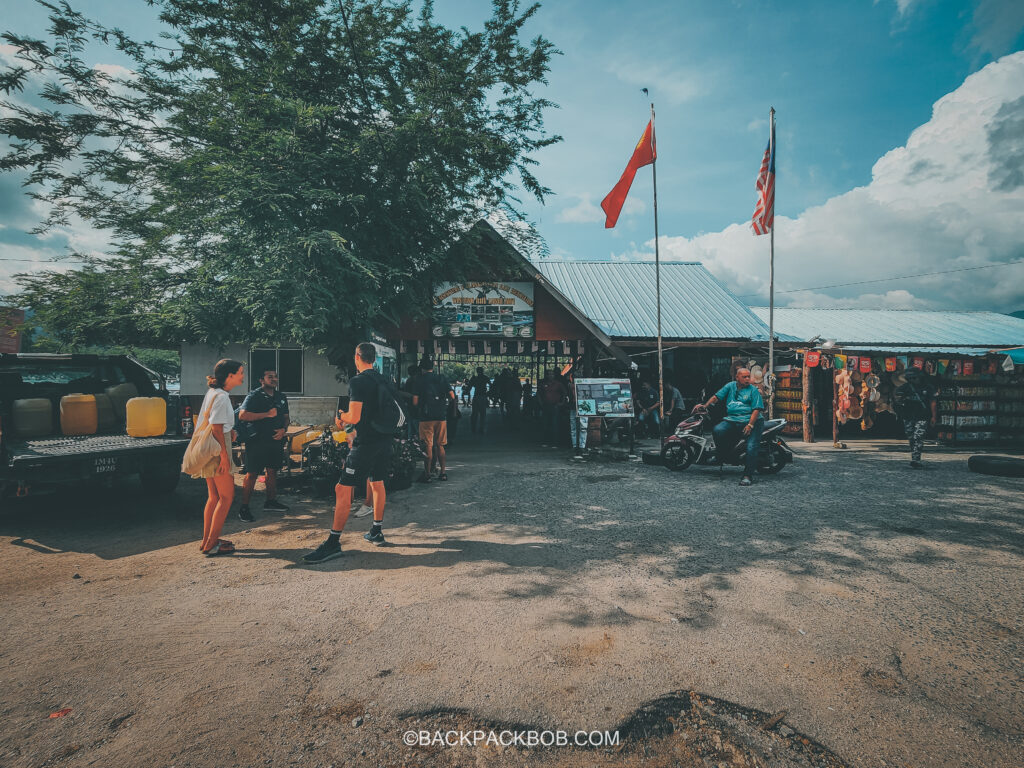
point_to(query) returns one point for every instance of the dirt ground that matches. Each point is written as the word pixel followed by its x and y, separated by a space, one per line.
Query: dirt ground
pixel 848 611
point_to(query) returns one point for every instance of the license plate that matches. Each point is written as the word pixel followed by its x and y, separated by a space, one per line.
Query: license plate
pixel 105 465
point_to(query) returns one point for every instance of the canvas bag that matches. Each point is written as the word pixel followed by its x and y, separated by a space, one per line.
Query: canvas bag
pixel 203 449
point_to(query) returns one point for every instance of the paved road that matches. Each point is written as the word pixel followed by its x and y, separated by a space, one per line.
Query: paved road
pixel 879 607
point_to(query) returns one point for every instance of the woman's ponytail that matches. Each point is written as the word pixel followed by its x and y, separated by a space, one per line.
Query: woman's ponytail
pixel 221 371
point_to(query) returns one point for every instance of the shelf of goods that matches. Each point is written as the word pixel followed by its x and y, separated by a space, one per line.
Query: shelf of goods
pixel 788 403
pixel 972 410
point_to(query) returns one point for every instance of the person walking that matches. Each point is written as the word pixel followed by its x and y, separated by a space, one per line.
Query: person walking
pixel 405 393
pixel 367 461
pixel 220 482
pixel 743 407
pixel 431 397
pixel 916 406
pixel 553 394
pixel 479 413
pixel 265 411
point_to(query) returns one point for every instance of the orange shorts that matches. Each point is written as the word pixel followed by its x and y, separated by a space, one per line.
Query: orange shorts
pixel 434 433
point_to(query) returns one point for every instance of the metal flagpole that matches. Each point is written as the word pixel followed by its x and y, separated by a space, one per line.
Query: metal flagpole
pixel 657 280
pixel 771 277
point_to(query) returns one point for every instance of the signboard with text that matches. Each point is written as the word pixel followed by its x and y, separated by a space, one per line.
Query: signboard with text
pixel 608 398
pixel 478 310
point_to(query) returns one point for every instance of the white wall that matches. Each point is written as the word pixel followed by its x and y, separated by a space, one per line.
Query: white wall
pixel 197 361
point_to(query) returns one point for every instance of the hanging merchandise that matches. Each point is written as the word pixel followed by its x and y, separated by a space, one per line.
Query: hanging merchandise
pixel 865 365
pixel 1008 364
pixel 968 367
pixel 812 359
pixel 872 380
pixel 852 362
pixel 943 365
pixel 890 364
pixel 918 363
pixel 956 367
pixel 826 362
pixel 901 362
pixel 993 366
pixel 840 362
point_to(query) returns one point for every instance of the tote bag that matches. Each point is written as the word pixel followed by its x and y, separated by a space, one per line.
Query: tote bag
pixel 203 449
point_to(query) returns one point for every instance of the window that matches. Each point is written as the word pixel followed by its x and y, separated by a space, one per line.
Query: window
pixel 287 363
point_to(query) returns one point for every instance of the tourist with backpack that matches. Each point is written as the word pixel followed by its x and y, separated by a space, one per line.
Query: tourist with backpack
pixel 430 397
pixel 376 414
pixel 914 398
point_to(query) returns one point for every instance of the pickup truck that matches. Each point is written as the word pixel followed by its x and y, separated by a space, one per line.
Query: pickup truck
pixel 31 464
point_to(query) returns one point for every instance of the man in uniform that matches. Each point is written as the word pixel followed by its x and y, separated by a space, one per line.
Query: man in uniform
pixel 265 411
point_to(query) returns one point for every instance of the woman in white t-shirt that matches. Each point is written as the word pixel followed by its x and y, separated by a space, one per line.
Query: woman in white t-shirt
pixel 220 483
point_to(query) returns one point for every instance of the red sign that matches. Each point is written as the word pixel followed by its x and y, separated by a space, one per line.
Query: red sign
pixel 812 359
pixel 865 365
pixel 918 363
pixel 10 335
pixel 968 367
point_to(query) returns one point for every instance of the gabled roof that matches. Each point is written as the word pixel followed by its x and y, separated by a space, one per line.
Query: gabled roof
pixel 908 329
pixel 619 297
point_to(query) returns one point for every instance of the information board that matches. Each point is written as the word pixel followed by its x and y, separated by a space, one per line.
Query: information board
pixel 483 309
pixel 608 398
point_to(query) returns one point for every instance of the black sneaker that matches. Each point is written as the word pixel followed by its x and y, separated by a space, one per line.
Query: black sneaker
pixel 375 536
pixel 746 480
pixel 244 514
pixel 273 505
pixel 326 551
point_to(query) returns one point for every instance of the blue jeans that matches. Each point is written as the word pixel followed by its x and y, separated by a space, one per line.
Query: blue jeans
pixel 727 433
pixel 652 422
pixel 578 423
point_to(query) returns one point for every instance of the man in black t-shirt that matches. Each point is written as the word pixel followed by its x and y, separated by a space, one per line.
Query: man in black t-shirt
pixel 368 459
pixel 431 396
pixel 265 410
pixel 915 404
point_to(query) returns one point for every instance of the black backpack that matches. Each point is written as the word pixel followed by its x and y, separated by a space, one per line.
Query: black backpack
pixel 390 415
pixel 434 401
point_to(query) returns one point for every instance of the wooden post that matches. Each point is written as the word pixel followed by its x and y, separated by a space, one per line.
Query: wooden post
pixel 805 402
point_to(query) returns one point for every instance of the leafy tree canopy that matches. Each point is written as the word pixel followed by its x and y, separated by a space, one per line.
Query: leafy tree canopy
pixel 296 169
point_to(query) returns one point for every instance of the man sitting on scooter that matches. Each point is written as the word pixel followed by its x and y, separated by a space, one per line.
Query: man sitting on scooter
pixel 743 406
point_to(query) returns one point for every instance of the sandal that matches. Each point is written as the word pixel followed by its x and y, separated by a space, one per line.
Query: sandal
pixel 220 548
pixel 443 476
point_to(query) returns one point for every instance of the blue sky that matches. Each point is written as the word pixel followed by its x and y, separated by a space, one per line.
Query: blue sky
pixel 851 81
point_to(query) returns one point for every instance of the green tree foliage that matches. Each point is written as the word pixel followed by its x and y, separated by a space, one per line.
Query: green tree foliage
pixel 296 169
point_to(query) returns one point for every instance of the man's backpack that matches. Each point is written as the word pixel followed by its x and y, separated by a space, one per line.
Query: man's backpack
pixel 246 429
pixel 434 400
pixel 390 415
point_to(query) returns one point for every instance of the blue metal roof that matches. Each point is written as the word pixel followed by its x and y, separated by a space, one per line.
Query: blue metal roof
pixel 907 329
pixel 619 297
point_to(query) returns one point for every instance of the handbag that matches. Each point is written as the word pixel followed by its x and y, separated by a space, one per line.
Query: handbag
pixel 203 449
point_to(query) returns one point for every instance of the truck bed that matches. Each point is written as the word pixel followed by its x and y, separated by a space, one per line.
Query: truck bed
pixel 52 450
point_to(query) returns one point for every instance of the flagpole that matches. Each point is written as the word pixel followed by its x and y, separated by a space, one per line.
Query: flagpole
pixel 657 280
pixel 771 281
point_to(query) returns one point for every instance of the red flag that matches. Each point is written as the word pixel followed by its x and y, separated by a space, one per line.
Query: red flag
pixel 644 154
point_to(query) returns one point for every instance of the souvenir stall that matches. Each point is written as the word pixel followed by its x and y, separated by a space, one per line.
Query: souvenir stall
pixel 980 401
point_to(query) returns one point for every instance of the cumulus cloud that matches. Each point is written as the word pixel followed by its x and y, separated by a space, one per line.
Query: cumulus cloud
pixel 997 23
pixel 952 198
pixel 584 212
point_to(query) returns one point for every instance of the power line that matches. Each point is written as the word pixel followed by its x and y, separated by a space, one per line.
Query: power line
pixel 44 261
pixel 889 279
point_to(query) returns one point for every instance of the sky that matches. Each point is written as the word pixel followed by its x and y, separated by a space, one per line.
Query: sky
pixel 900 143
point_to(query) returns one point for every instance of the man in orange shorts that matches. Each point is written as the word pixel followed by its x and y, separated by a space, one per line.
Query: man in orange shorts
pixel 430 395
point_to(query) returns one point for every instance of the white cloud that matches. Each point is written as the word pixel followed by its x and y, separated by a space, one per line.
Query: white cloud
pixel 951 198
pixel 584 212
pixel 15 259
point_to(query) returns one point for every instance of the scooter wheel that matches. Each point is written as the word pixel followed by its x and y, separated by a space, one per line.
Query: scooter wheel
pixel 676 457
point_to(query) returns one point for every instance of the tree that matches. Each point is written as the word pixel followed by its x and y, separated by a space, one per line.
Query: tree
pixel 293 170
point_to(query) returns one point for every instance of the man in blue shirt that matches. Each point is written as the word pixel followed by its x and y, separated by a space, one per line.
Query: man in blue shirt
pixel 743 406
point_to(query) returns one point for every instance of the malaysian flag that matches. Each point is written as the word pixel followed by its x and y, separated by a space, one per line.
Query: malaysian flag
pixel 764 212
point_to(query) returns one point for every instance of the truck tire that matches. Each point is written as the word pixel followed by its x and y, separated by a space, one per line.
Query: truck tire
pixel 1001 466
pixel 159 479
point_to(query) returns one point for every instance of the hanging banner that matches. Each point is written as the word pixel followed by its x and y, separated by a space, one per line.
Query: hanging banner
pixel 852 363
pixel 943 365
pixel 918 362
pixel 840 361
pixel 483 310
pixel 812 359
pixel 968 367
pixel 901 362
pixel 865 365
pixel 890 364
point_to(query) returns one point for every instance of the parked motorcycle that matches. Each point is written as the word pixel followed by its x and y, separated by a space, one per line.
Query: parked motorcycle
pixel 693 442
pixel 324 459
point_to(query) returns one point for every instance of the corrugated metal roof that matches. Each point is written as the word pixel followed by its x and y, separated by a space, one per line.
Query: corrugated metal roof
pixel 619 297
pixel 893 327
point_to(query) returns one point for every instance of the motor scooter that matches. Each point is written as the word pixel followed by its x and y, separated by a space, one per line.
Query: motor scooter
pixel 693 442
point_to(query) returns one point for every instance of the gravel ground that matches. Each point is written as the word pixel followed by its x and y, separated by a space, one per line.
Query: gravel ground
pixel 849 611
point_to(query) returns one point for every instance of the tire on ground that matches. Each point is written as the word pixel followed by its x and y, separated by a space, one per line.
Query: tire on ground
pixel 1002 466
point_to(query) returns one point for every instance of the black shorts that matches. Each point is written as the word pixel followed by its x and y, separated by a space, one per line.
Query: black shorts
pixel 263 454
pixel 366 461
